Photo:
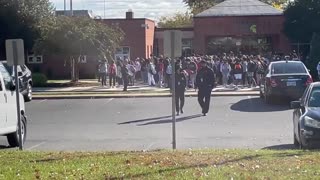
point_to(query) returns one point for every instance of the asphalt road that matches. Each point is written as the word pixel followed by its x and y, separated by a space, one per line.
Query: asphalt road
pixel 145 124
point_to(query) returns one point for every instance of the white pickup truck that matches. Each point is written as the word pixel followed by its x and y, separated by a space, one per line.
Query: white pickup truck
pixel 8 110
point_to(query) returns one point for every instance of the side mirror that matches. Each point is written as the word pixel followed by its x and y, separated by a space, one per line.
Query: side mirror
pixel 20 74
pixel 295 105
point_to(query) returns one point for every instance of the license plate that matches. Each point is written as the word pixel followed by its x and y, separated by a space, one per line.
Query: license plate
pixel 291 83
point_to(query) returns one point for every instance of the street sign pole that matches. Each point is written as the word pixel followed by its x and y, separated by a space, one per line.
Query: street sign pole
pixel 15 65
pixel 173 89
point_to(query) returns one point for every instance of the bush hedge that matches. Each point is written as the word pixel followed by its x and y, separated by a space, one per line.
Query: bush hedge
pixel 39 80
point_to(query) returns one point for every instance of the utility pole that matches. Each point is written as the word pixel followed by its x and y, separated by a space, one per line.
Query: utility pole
pixel 65 7
pixel 104 9
pixel 71 10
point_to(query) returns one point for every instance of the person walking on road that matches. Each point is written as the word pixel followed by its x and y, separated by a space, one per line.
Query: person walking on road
pixel 180 88
pixel 205 82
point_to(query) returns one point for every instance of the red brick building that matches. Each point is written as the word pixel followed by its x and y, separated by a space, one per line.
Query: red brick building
pixel 249 26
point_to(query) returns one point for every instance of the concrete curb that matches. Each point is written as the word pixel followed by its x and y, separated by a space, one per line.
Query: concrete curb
pixel 107 96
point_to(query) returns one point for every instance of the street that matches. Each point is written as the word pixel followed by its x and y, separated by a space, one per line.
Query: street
pixel 145 124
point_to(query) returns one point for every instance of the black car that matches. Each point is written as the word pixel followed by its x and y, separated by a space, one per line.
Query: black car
pixel 306 118
pixel 285 79
pixel 25 80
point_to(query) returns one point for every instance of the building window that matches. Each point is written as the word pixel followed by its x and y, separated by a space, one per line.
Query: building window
pixel 33 59
pixel 122 53
pixel 82 59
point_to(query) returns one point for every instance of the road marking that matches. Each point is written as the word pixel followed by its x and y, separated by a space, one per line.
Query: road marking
pixel 109 100
pixel 35 146
pixel 42 101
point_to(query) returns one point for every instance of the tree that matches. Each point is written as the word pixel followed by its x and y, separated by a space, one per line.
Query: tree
pixel 176 21
pixel 197 6
pixel 314 54
pixel 302 20
pixel 24 19
pixel 73 37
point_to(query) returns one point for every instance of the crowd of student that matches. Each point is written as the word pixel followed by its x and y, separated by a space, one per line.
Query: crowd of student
pixel 230 69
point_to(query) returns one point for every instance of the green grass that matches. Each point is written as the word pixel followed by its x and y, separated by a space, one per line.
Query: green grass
pixel 199 164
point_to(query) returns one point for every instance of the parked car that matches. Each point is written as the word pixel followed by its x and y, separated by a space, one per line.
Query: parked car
pixel 25 78
pixel 306 118
pixel 8 106
pixel 285 79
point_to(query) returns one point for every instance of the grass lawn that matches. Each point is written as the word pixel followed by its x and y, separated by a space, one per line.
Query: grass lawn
pixel 198 164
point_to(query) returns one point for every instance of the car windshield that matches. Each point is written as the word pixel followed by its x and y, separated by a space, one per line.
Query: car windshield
pixel 288 68
pixel 9 69
pixel 314 100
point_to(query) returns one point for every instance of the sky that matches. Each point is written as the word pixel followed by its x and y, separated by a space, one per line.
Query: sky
pixel 152 9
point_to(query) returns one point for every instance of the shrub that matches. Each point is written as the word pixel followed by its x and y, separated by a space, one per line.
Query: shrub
pixel 39 80
pixel 314 55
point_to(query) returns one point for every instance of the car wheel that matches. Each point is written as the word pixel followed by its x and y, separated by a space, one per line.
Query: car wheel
pixel 28 96
pixel 13 138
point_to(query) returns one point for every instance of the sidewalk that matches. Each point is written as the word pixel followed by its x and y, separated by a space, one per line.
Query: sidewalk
pixel 139 90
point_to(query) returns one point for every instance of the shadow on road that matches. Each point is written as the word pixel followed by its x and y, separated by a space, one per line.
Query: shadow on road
pixel 165 121
pixel 161 120
pixel 144 120
pixel 281 147
pixel 257 105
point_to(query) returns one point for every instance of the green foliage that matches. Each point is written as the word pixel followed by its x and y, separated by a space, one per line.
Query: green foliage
pixel 39 80
pixel 302 20
pixel 314 54
pixel 176 21
pixel 75 36
pixel 25 20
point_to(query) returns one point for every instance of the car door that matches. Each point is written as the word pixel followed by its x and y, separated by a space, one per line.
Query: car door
pixel 299 112
pixel 3 108
pixel 10 98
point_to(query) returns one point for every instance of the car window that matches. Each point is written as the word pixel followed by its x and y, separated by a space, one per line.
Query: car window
pixel 288 68
pixel 23 68
pixel 314 100
pixel 6 77
pixel 9 68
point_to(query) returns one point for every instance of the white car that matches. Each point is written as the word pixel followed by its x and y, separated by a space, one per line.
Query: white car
pixel 8 110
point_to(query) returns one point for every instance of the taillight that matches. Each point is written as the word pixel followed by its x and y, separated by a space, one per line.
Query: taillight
pixel 309 80
pixel 273 83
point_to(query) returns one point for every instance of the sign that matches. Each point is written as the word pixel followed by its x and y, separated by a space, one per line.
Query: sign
pixel 17 44
pixel 172 38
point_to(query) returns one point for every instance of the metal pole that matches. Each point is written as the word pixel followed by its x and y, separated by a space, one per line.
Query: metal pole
pixel 104 9
pixel 15 63
pixel 65 7
pixel 173 88
pixel 71 10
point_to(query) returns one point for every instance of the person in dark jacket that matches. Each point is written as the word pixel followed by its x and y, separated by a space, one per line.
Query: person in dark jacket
pixel 125 75
pixel 180 83
pixel 205 82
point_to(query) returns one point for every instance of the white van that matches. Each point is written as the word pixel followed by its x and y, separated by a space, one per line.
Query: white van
pixel 8 110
